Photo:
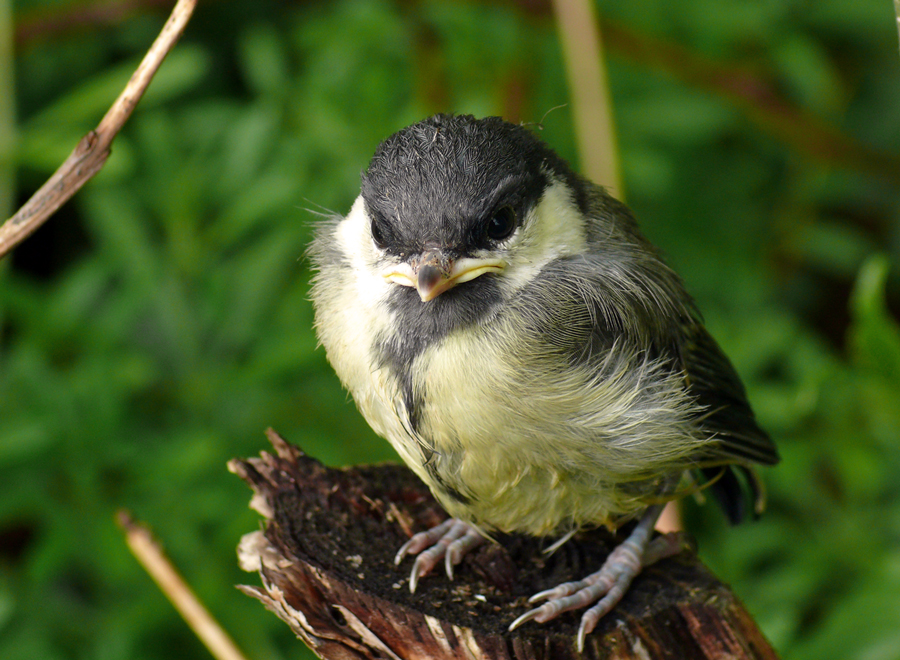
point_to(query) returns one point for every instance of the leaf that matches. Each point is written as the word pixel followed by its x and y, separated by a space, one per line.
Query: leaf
pixel 874 337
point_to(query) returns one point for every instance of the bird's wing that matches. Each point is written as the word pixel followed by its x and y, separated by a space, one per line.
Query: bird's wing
pixel 727 415
pixel 633 292
pixel 728 418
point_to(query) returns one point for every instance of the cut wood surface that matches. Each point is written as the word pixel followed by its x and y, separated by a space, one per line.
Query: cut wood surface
pixel 326 556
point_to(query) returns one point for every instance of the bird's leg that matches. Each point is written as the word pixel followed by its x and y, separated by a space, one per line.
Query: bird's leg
pixel 605 588
pixel 450 541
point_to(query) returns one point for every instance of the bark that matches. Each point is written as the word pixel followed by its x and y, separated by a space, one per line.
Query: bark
pixel 326 555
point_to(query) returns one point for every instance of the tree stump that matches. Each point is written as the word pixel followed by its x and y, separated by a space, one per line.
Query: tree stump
pixel 326 560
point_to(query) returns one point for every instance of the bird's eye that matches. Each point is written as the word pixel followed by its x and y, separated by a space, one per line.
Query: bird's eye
pixel 502 224
pixel 378 235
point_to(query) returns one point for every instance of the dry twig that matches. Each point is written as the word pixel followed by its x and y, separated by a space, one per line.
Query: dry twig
pixel 92 151
pixel 148 553
pixel 579 33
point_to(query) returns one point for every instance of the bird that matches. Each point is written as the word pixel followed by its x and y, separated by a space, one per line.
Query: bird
pixel 505 325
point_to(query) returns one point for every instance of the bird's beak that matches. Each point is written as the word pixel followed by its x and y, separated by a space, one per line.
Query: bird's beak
pixel 433 273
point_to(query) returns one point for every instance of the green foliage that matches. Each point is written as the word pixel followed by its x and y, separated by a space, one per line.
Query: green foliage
pixel 160 323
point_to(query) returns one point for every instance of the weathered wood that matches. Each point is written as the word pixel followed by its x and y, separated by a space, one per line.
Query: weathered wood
pixel 326 563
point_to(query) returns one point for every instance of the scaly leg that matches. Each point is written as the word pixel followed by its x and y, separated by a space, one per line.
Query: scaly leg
pixel 450 540
pixel 607 586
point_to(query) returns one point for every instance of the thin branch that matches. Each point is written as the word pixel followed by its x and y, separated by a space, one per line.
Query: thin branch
pixel 579 34
pixel 92 151
pixel 148 553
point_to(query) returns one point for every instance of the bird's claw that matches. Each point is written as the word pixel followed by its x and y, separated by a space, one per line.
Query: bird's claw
pixel 583 631
pixel 450 541
pixel 605 588
pixel 667 545
pixel 450 561
pixel 418 542
pixel 559 591
pixel 525 618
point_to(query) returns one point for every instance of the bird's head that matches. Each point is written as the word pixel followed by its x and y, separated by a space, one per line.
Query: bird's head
pixel 458 207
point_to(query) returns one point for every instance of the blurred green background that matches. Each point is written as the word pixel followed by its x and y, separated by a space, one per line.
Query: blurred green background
pixel 159 323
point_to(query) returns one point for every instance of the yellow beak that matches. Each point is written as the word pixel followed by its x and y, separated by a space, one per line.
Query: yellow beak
pixel 432 274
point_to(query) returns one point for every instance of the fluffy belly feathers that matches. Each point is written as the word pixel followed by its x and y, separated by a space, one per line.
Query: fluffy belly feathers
pixel 589 447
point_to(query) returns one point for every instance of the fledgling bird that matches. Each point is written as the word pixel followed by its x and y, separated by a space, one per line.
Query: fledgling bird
pixel 505 325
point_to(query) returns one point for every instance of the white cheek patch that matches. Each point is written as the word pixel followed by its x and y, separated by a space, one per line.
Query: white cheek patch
pixel 554 228
pixel 355 242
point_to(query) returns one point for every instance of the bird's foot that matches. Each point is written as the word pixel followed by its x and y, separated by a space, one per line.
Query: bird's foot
pixel 450 541
pixel 605 588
